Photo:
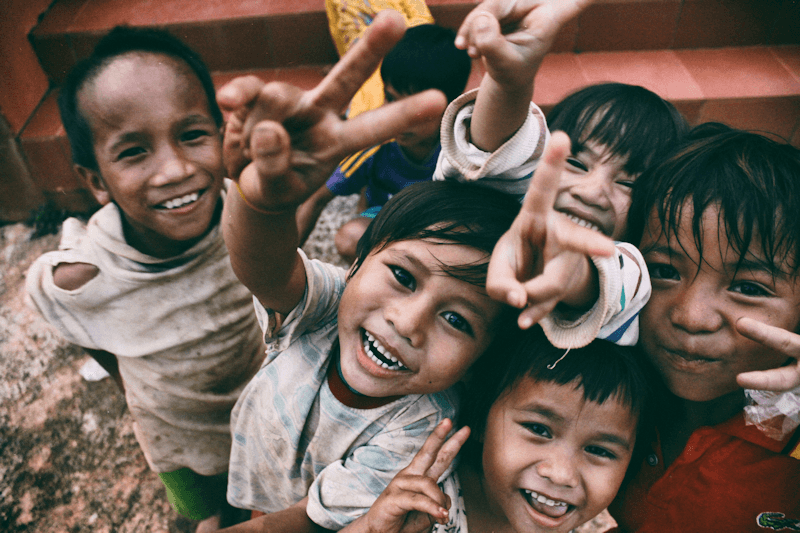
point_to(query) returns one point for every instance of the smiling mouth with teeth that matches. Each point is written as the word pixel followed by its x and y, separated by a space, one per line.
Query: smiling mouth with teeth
pixel 544 505
pixel 380 355
pixel 180 202
pixel 581 222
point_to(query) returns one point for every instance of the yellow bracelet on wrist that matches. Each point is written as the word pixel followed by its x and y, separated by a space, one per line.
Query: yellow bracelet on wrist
pixel 251 206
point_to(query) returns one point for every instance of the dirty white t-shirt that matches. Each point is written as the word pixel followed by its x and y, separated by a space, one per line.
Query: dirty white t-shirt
pixel 183 330
pixel 293 438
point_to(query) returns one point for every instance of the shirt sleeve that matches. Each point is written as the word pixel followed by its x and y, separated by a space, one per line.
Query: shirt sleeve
pixel 325 284
pixel 624 290
pixel 64 309
pixel 509 168
pixel 346 489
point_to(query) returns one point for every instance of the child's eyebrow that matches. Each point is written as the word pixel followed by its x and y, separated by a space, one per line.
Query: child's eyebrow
pixel 757 265
pixel 124 138
pixel 663 249
pixel 196 119
pixel 615 439
pixel 543 411
pixel 400 255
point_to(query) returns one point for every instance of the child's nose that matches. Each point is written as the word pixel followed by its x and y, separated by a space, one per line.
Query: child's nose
pixel 559 467
pixel 173 167
pixel 693 311
pixel 594 189
pixel 408 317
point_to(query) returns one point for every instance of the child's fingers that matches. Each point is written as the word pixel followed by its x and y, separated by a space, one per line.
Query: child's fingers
pixel 585 241
pixel 358 64
pixel 479 33
pixel 781 379
pixel 426 455
pixel 533 314
pixel 446 454
pixel 543 293
pixel 239 92
pixel 233 149
pixel 502 283
pixel 543 188
pixel 387 121
pixel 416 491
pixel 269 149
pixel 274 102
pixel 772 337
pixel 780 340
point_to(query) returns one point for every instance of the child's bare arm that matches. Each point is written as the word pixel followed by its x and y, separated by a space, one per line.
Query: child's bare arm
pixel 543 260
pixel 413 501
pixel 291 520
pixel 511 39
pixel 282 143
pixel 780 379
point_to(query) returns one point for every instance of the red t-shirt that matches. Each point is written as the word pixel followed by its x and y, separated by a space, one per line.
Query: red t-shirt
pixel 729 478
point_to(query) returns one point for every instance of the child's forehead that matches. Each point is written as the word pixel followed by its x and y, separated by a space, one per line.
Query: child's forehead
pixel 147 71
pixel 711 235
pixel 139 79
pixel 568 402
pixel 434 254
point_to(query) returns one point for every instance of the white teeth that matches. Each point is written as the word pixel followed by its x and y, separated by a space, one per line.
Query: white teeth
pixel 583 223
pixel 372 345
pixel 544 499
pixel 183 200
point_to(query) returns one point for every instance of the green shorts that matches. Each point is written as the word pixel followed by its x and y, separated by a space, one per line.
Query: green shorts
pixel 195 496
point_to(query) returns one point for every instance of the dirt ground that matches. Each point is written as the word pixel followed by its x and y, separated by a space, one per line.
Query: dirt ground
pixel 69 461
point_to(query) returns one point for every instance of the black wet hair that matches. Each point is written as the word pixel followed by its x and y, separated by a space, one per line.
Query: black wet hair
pixel 120 41
pixel 629 120
pixel 601 371
pixel 426 58
pixel 753 180
pixel 445 212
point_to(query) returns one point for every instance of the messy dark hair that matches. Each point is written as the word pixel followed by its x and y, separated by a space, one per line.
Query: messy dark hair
pixel 601 371
pixel 426 58
pixel 120 41
pixel 631 121
pixel 754 182
pixel 445 212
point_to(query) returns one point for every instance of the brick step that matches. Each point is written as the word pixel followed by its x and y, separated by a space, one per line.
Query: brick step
pixel 746 87
pixel 260 34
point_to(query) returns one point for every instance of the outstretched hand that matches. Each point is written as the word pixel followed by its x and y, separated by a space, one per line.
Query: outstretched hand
pixel 413 502
pixel 282 143
pixel 780 379
pixel 542 260
pixel 512 37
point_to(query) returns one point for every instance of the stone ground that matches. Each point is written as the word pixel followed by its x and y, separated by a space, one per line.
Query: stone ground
pixel 69 461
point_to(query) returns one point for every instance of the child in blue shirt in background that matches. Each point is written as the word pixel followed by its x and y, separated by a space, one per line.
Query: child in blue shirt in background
pixel 425 58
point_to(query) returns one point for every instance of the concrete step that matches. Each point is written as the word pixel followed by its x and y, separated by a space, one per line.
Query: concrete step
pixel 722 61
pixel 258 34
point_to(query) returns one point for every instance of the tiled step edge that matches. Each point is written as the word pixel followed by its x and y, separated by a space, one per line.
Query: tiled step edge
pixel 751 87
pixel 260 34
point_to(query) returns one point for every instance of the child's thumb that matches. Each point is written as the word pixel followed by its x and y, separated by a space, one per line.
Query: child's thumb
pixel 485 34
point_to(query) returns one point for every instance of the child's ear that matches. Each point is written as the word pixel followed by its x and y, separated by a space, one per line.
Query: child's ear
pixel 94 182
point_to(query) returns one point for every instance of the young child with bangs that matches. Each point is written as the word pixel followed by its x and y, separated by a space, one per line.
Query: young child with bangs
pixel 712 222
pixel 360 365
pixel 146 287
pixel 717 229
pixel 615 132
pixel 548 441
